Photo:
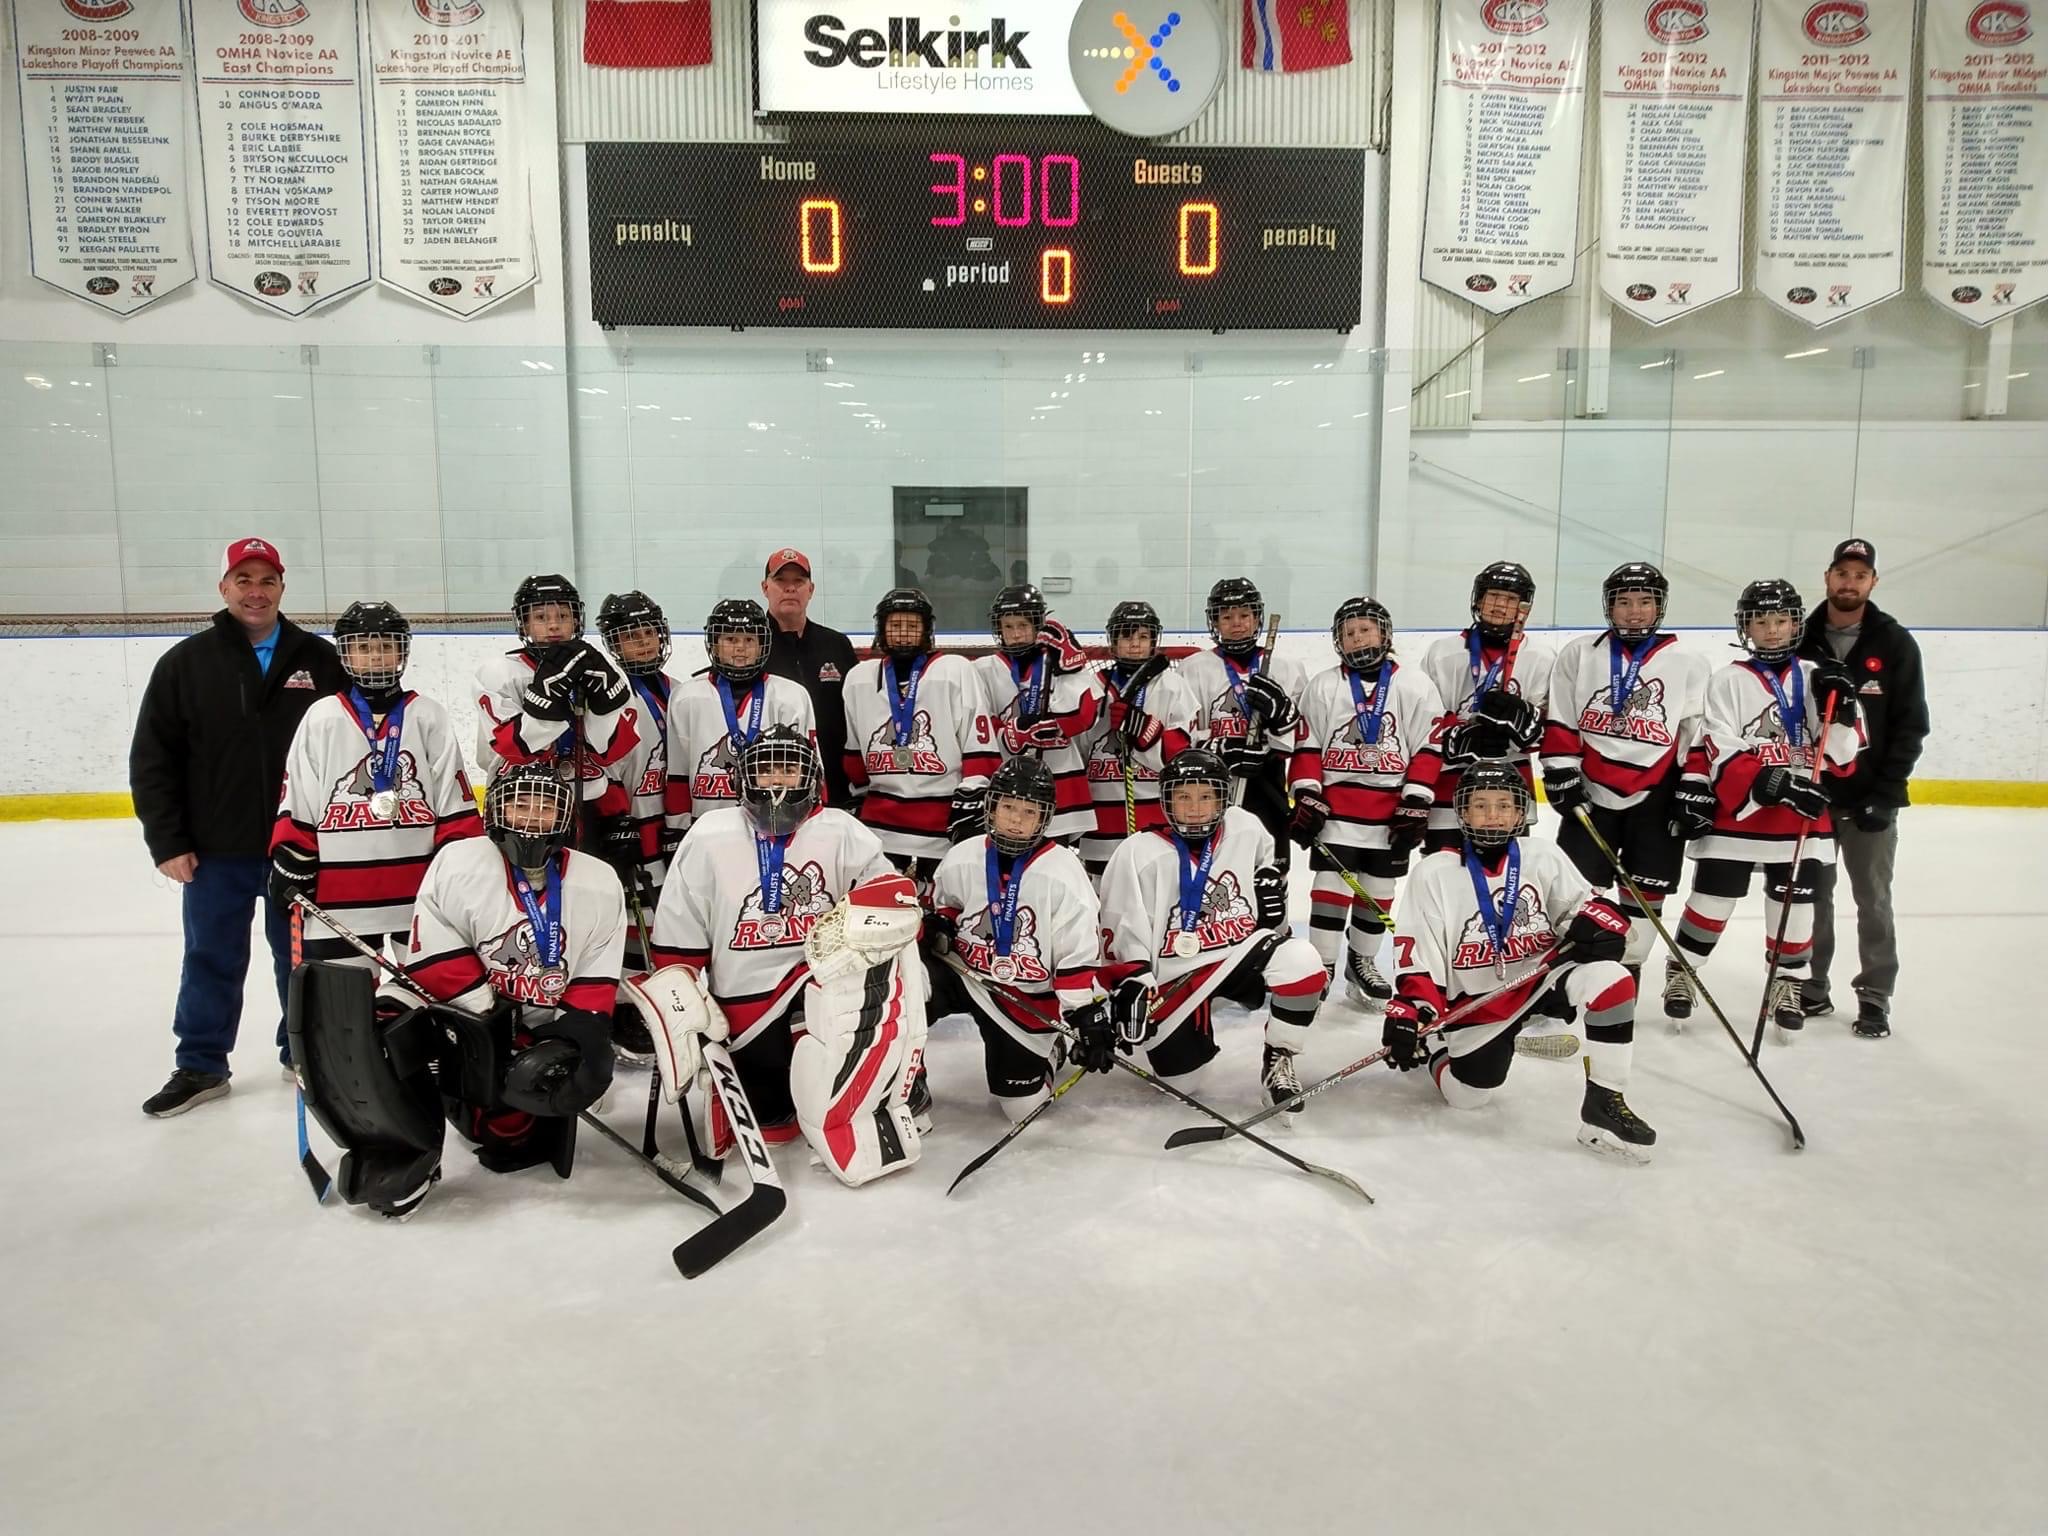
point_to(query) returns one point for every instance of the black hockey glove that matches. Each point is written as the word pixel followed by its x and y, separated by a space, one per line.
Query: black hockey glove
pixel 1874 816
pixel 1094 1036
pixel 1401 1034
pixel 939 931
pixel 1130 1005
pixel 1132 730
pixel 1564 788
pixel 1471 740
pixel 1794 791
pixel 566 1069
pixel 966 819
pixel 1269 895
pixel 1063 653
pixel 1311 811
pixel 1410 821
pixel 1243 759
pixel 1597 932
pixel 1268 703
pixel 1832 680
pixel 1513 714
pixel 1692 809
pixel 618 844
pixel 292 873
pixel 599 682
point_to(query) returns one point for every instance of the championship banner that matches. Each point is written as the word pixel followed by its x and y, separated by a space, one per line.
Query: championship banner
pixel 454 222
pixel 1674 110
pixel 281 150
pixel 1984 154
pixel 1831 154
pixel 103 131
pixel 1502 218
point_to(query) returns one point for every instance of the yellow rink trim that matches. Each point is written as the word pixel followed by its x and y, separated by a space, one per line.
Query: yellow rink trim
pixel 100 807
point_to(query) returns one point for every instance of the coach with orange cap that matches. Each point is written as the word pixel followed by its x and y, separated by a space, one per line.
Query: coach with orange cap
pixel 807 652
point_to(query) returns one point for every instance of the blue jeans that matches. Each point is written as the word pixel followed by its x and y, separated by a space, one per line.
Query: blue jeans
pixel 220 904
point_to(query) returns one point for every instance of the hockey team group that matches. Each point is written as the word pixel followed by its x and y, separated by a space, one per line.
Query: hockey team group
pixel 1084 857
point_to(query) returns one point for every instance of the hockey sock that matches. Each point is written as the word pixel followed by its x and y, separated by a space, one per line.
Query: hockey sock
pixel 1642 934
pixel 1607 995
pixel 1329 905
pixel 1699 930
pixel 1368 929
pixel 1795 956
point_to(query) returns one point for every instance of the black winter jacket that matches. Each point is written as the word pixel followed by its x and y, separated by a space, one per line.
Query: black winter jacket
pixel 1891 697
pixel 207 761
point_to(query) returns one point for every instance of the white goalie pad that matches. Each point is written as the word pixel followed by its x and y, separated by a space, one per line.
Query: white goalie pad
pixel 680 1015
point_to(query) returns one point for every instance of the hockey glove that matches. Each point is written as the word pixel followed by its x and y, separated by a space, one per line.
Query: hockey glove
pixel 1243 759
pixel 550 697
pixel 1874 816
pixel 1132 728
pixel 940 930
pixel 1311 811
pixel 1039 735
pixel 1410 821
pixel 1794 791
pixel 1269 895
pixel 1477 738
pixel 1511 713
pixel 1094 1036
pixel 293 872
pixel 1268 703
pixel 618 844
pixel 1401 1034
pixel 566 1069
pixel 1564 788
pixel 1692 809
pixel 1833 681
pixel 598 679
pixel 1063 653
pixel 965 820
pixel 1596 932
pixel 1130 1005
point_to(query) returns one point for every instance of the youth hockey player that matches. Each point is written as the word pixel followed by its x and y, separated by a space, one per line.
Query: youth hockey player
pixel 1364 777
pixel 1041 700
pixel 1484 920
pixel 373 787
pixel 1624 710
pixel 919 744
pixel 1752 785
pixel 1147 715
pixel 1197 912
pixel 633 834
pixel 1247 703
pixel 1019 919
pixel 718 713
pixel 1496 705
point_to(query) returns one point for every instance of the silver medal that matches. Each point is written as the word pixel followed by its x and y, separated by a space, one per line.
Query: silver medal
pixel 1003 968
pixel 1185 945
pixel 899 761
pixel 384 804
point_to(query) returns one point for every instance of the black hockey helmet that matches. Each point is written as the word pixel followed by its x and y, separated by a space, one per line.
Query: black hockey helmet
pixel 1485 775
pixel 626 615
pixel 538 591
pixel 1197 765
pixel 529 812
pixel 1361 658
pixel 1130 617
pixel 1773 594
pixel 1501 576
pixel 372 620
pixel 904 600
pixel 1235 592
pixel 737 616
pixel 777 808
pixel 1021 601
pixel 1021 778
pixel 1634 576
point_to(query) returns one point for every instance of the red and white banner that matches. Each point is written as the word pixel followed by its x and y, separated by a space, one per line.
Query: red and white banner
pixel 647 34
pixel 281 150
pixel 1833 81
pixel 1287 36
pixel 448 96
pixel 103 133
pixel 1674 114
pixel 1984 156
pixel 1500 226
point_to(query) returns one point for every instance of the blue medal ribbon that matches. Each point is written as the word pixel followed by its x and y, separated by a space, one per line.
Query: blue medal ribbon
pixel 384 765
pixel 1791 711
pixel 1498 920
pixel 1030 683
pixel 1194 877
pixel 903 699
pixel 546 921
pixel 741 739
pixel 1235 676
pixel 656 702
pixel 1625 680
pixel 768 853
pixel 1370 716
pixel 1120 674
pixel 1483 677
pixel 1002 899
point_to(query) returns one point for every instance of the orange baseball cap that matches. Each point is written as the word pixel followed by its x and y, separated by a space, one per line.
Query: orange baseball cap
pixel 782 557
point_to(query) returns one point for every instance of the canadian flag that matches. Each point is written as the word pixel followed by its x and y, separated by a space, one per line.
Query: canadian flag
pixel 1293 35
pixel 646 34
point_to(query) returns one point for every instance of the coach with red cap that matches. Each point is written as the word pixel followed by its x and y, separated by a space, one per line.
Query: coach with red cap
pixel 205 770
pixel 807 652
pixel 1851 631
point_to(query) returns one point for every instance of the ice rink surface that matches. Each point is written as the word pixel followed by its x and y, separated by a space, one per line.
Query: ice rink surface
pixel 1093 1334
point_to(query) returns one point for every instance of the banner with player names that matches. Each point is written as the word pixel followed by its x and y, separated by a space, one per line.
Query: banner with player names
pixel 281 150
pixel 1674 113
pixel 449 99
pixel 1501 221
pixel 1833 82
pixel 1984 156
pixel 103 132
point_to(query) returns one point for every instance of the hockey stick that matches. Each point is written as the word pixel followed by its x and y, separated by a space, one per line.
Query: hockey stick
pixel 1238 785
pixel 1357 887
pixel 1685 964
pixel 764 1202
pixel 1191 1135
pixel 650 1148
pixel 315 1174
pixel 1763 1009
pixel 1012 1133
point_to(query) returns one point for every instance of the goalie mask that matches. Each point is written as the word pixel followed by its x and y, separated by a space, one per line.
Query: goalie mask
pixel 1493 804
pixel 1194 792
pixel 529 813
pixel 374 641
pixel 778 781
pixel 635 631
pixel 1020 805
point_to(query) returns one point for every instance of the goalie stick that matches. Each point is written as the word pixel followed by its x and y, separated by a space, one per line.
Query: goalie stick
pixel 315 1174
pixel 708 1168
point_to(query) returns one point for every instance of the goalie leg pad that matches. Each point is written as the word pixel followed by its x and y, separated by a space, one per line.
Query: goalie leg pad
pixel 387 1123
pixel 680 1015
pixel 851 1072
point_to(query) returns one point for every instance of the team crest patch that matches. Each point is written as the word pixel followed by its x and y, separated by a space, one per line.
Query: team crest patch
pixel 1640 718
pixel 1350 752
pixel 301 679
pixel 1226 917
pixel 1528 935
pixel 828 673
pixel 512 961
pixel 804 901
pixel 1025 962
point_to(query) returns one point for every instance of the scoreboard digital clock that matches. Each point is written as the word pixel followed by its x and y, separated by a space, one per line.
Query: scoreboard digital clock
pixel 1027 235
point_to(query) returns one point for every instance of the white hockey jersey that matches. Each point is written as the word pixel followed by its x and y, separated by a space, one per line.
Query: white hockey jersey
pixel 1365 780
pixel 472 939
pixel 1170 700
pixel 704 755
pixel 1628 746
pixel 1461 675
pixel 1214 680
pixel 1742 737
pixel 504 735
pixel 713 916
pixel 1054 947
pixel 1142 911
pixel 1071 702
pixel 373 855
pixel 906 785
pixel 637 785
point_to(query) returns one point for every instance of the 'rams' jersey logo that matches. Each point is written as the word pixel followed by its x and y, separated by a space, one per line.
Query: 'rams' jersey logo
pixel 885 754
pixel 1528 935
pixel 804 901
pixel 1226 718
pixel 1226 917
pixel 1640 718
pixel 512 961
pixel 1350 752
pixel 348 802
pixel 1766 738
pixel 976 944
pixel 715 770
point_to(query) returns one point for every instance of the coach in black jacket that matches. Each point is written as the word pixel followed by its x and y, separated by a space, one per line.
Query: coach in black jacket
pixel 205 770
pixel 1850 630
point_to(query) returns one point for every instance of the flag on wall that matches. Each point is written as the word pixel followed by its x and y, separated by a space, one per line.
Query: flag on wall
pixel 646 34
pixel 1293 35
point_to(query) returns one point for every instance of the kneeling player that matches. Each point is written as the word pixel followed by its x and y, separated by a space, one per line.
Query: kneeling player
pixel 1482 921
pixel 1198 911
pixel 1016 919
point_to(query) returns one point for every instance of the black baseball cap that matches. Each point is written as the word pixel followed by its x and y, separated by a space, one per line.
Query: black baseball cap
pixel 1856 549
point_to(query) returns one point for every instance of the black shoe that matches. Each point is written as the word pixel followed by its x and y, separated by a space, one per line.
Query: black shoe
pixel 1873 1022
pixel 1607 1124
pixel 185 1090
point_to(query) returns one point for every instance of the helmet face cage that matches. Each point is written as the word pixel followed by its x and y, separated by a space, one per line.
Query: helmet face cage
pixel 1194 766
pixel 1501 576
pixel 1235 592
pixel 1024 601
pixel 373 622
pixel 538 592
pixel 1027 780
pixel 1638 576
pixel 904 600
pixel 777 809
pixel 1760 599
pixel 1132 618
pixel 634 615
pixel 1492 776
pixel 528 812
pixel 737 616
pixel 1362 658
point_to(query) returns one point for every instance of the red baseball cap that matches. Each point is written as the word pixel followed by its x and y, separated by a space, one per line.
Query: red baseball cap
pixel 252 549
pixel 782 557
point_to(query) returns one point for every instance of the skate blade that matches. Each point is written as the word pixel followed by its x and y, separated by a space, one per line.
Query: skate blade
pixel 1558 1047
pixel 1612 1146
pixel 1677 1026
pixel 1359 998
pixel 1786 1036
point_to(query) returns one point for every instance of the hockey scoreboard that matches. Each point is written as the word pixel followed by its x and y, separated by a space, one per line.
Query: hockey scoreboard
pixel 1033 234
